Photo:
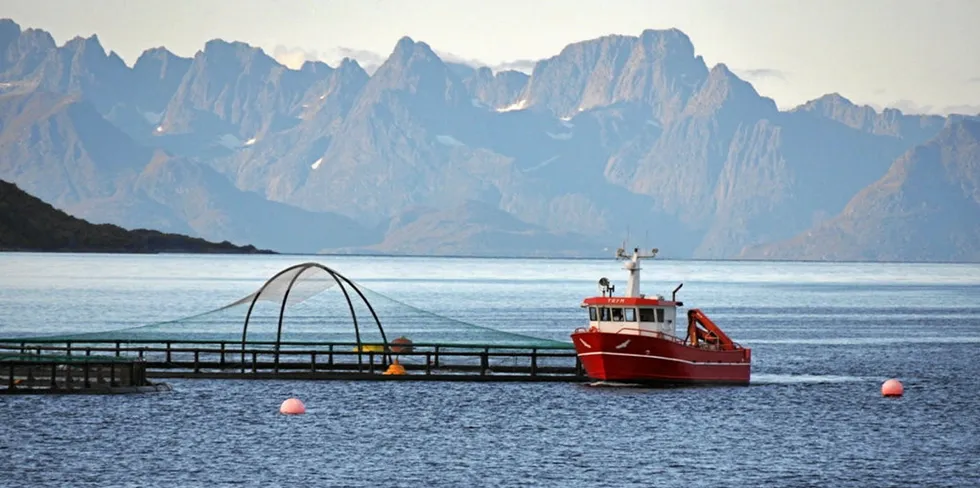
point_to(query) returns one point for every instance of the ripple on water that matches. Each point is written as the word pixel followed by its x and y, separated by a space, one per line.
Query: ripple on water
pixel 813 415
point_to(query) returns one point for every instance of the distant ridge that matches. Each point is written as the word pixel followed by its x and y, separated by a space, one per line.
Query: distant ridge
pixel 427 157
pixel 29 224
pixel 925 208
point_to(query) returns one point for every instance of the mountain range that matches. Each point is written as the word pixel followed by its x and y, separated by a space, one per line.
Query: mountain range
pixel 611 136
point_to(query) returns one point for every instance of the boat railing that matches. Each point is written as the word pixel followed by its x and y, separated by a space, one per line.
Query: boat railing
pixel 645 332
pixel 652 333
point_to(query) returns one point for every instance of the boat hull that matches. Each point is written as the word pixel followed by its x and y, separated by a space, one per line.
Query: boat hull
pixel 632 358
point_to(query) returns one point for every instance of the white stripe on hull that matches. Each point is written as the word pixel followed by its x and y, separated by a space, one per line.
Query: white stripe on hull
pixel 661 357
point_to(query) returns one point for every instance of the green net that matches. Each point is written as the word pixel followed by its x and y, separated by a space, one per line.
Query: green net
pixel 309 303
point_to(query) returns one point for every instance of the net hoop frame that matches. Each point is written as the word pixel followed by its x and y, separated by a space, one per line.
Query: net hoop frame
pixel 340 280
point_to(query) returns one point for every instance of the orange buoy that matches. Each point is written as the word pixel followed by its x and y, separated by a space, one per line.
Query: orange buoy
pixel 292 406
pixel 395 368
pixel 892 388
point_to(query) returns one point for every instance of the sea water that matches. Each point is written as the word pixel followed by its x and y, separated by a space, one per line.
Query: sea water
pixel 824 337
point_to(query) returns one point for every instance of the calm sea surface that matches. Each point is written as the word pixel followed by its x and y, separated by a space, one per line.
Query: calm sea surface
pixel 824 337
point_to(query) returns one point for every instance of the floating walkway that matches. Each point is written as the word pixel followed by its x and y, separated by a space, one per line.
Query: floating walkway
pixel 24 373
pixel 134 361
pixel 338 340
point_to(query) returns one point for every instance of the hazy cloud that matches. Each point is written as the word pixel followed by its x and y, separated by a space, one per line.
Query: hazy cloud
pixel 293 57
pixel 363 57
pixel 455 58
pixel 764 73
pixel 910 107
pixel 522 65
pixel 975 79
pixel 962 109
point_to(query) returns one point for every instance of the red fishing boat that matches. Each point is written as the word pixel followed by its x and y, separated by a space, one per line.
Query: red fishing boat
pixel 633 338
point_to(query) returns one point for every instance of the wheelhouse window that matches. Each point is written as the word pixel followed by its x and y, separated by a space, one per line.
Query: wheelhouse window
pixel 604 313
pixel 647 315
pixel 617 315
pixel 660 315
pixel 629 314
pixel 593 315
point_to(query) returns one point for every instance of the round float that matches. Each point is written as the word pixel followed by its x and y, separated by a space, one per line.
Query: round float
pixel 292 406
pixel 892 388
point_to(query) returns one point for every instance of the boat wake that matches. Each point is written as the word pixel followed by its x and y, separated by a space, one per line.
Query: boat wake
pixel 785 379
pixel 615 384
pixel 864 341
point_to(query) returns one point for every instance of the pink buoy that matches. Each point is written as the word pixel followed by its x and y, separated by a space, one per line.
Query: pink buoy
pixel 292 406
pixel 892 388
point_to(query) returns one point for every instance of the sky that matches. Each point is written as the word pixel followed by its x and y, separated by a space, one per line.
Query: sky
pixel 916 55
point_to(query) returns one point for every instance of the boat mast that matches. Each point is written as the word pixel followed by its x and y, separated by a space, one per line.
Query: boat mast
pixel 633 266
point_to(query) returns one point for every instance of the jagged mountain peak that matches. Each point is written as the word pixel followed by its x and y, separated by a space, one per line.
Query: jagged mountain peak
pixel 349 63
pixel 41 36
pixel 411 64
pixel 890 121
pixel 230 60
pixel 830 101
pixel 408 50
pixel 162 65
pixel 9 30
pixel 115 58
pixel 721 70
pixel 657 69
pixel 30 39
pixel 668 40
pixel 836 102
pixel 663 40
pixel 496 90
pixel 222 51
pixel 157 74
pixel 234 92
pixel 350 69
pixel 90 45
pixel 7 23
pixel 413 86
pixel 219 44
pixel 158 53
pixel 723 87
pixel 316 68
pixel 89 54
pixel 405 42
pixel 720 74
pixel 407 45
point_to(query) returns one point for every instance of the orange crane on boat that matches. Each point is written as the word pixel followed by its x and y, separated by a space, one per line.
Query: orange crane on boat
pixel 701 328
